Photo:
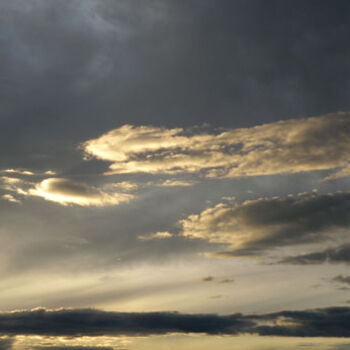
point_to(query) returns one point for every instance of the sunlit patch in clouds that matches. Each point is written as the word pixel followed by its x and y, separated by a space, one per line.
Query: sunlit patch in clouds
pixel 289 146
pixel 64 191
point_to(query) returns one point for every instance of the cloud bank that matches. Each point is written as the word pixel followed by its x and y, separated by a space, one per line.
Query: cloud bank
pixel 289 146
pixel 327 322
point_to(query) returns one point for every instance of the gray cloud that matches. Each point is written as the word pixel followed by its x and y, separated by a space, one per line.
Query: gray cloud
pixel 340 254
pixel 90 322
pixel 266 223
pixel 328 322
pixel 342 279
pixel 65 63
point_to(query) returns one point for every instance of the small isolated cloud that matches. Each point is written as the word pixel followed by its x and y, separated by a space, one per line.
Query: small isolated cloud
pixel 227 280
pixel 64 191
pixel 288 146
pixel 265 223
pixel 157 235
pixel 207 279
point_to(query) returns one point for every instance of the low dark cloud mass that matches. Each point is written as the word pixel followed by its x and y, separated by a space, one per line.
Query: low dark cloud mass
pixel 90 322
pixel 257 225
pixel 328 322
pixel 340 254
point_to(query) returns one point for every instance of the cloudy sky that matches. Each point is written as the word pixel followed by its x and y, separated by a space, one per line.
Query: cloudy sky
pixel 174 174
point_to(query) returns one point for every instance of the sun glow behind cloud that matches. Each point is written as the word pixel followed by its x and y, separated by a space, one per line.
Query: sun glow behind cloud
pixel 65 192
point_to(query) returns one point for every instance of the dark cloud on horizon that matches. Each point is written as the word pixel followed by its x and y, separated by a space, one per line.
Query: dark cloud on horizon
pixel 327 322
pixel 91 322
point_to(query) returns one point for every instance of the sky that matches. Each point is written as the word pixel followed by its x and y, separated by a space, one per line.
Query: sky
pixel 174 174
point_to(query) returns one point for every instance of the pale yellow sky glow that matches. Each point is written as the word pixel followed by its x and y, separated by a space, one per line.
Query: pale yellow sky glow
pixel 174 342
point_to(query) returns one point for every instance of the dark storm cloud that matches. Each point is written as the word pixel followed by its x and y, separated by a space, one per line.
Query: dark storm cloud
pixel 71 70
pixel 340 254
pixel 265 223
pixel 328 322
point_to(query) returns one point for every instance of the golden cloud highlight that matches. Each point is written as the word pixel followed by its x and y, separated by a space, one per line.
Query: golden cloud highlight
pixel 64 191
pixel 289 146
